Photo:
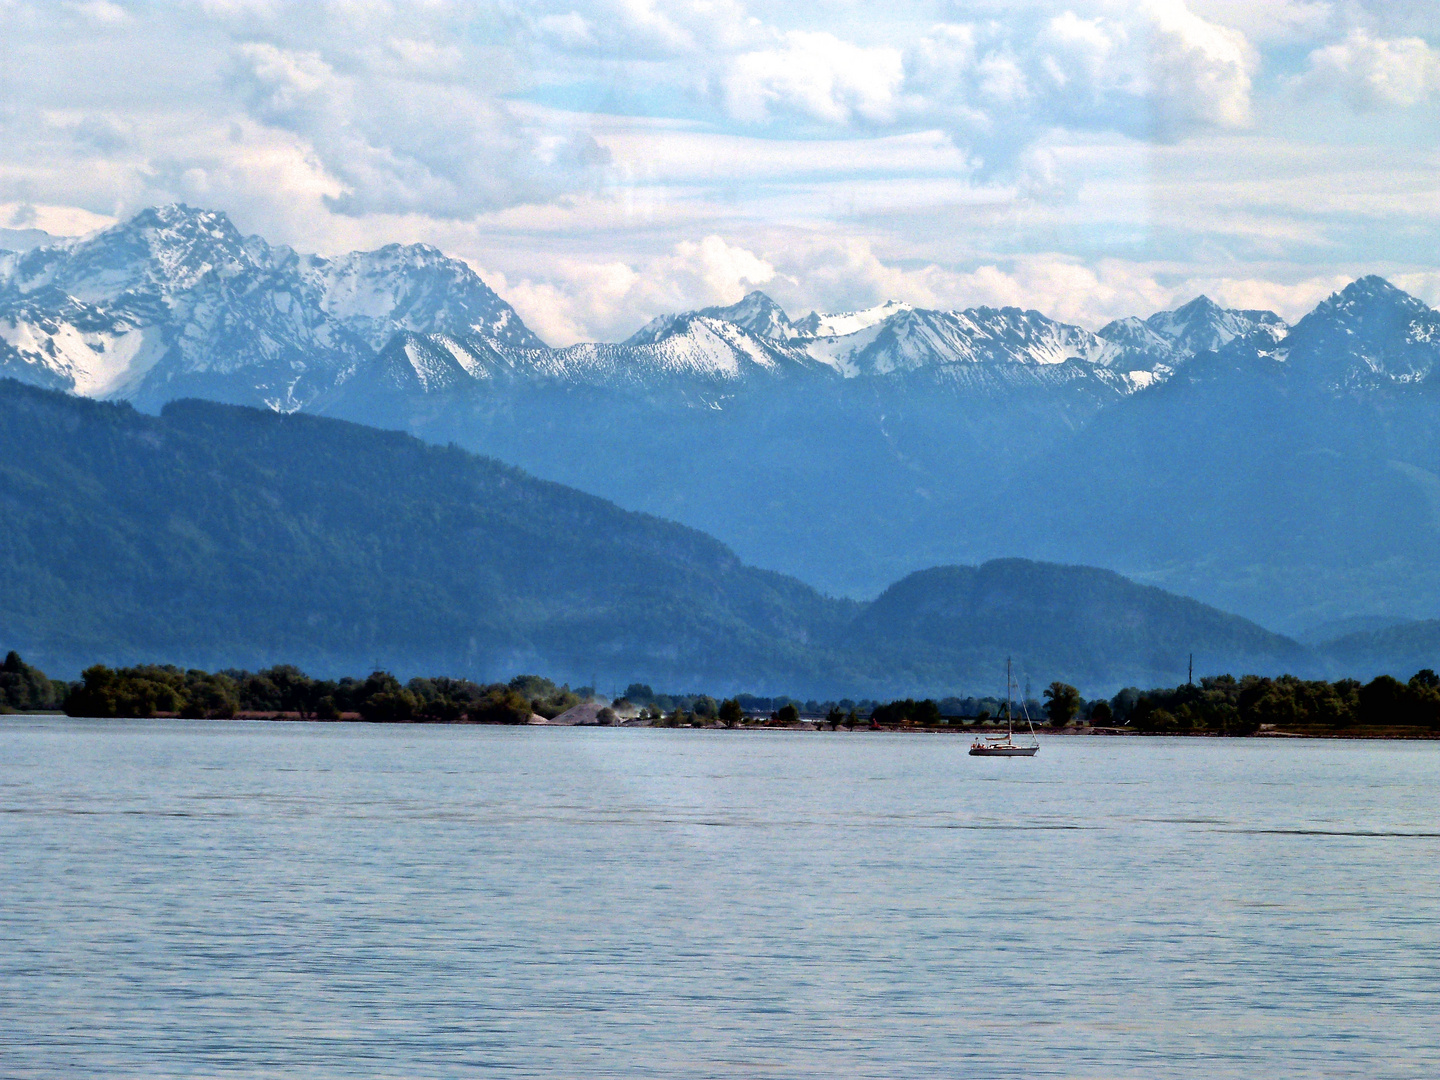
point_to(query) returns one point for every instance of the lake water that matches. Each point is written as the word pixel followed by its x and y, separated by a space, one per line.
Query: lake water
pixel 332 900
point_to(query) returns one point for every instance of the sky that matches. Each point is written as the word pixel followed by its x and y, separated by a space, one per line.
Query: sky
pixel 604 161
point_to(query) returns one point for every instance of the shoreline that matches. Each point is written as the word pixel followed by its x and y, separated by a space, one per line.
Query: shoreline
pixel 1383 734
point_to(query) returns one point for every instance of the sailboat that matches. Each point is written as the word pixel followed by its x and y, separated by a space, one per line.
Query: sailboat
pixel 1005 745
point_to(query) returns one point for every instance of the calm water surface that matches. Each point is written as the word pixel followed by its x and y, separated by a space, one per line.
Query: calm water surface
pixel 296 900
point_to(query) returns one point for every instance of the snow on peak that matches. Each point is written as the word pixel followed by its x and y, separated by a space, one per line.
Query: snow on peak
pixel 1385 335
pixel 1369 293
pixel 838 324
pixel 163 250
pixel 413 287
pixel 1204 326
pixel 758 314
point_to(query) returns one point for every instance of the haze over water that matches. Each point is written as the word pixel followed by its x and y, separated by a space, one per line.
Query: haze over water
pixel 186 898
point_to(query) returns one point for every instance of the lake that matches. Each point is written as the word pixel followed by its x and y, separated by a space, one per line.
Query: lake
pixel 191 898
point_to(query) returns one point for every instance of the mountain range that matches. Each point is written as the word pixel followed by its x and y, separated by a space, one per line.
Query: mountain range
pixel 217 536
pixel 1286 473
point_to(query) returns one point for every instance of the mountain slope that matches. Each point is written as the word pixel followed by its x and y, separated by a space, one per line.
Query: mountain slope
pixel 1287 473
pixel 1294 482
pixel 1393 650
pixel 1097 626
pixel 215 536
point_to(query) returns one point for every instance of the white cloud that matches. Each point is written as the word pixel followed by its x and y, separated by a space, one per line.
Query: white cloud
pixel 1270 21
pixel 102 12
pixel 424 146
pixel 1088 157
pixel 1375 73
pixel 1290 300
pixel 587 301
pixel 817 76
pixel 1150 70
pixel 1424 284
pixel 1199 71
pixel 56 220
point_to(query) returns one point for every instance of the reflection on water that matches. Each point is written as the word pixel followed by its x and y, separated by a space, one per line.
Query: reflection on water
pixel 190 898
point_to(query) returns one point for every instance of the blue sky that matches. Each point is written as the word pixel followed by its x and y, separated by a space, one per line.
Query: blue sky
pixel 605 161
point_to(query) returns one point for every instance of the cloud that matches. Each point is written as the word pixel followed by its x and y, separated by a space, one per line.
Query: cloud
pixel 1199 71
pixel 56 220
pixel 1375 73
pixel 1283 22
pixel 588 301
pixel 1156 70
pixel 1153 69
pixel 429 147
pixel 102 12
pixel 1424 284
pixel 817 76
pixel 623 158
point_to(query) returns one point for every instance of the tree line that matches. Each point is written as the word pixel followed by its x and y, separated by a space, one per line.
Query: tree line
pixel 1220 704
pixel 1226 705
pixel 1223 705
pixel 153 689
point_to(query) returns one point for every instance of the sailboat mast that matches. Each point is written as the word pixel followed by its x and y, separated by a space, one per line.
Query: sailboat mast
pixel 1009 701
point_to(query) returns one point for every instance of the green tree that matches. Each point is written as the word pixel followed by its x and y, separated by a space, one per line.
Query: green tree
pixel 787 713
pixel 499 705
pixel 1062 702
pixel 23 688
pixel 207 696
pixel 1382 701
pixel 399 707
pixel 1100 714
pixel 730 713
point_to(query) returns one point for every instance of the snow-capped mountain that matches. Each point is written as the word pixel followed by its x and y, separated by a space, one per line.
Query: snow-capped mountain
pixel 1369 334
pixel 979 348
pixel 176 302
pixel 1204 326
pixel 758 315
pixel 848 448
pixel 843 323
pixel 416 288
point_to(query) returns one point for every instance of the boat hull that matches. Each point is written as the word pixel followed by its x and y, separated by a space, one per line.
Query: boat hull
pixel 1003 751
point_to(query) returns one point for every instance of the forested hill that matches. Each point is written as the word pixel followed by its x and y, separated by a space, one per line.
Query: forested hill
pixel 217 535
pixel 1094 625
pixel 221 536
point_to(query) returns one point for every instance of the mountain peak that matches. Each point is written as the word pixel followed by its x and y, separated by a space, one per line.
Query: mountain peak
pixel 1368 298
pixel 1201 305
pixel 1368 333
pixel 1370 289
pixel 756 313
pixel 1202 325
pixel 178 224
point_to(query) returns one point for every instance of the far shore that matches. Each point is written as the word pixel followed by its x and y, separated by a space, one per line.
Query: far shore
pixel 961 726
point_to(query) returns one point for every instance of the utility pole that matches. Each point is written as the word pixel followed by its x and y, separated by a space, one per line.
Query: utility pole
pixel 1192 669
